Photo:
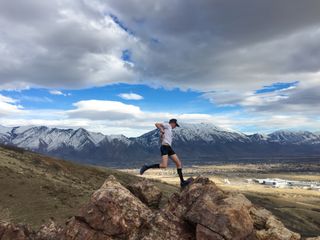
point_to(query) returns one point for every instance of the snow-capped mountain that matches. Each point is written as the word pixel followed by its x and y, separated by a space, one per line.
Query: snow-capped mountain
pixel 190 133
pixel 209 133
pixel 34 138
pixel 194 142
pixel 300 137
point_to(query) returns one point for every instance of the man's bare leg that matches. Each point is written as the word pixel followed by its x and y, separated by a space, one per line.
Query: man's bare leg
pixel 176 160
pixel 164 162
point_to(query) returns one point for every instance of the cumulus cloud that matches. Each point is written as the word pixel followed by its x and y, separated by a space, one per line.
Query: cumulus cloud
pixel 9 106
pixel 224 45
pixel 226 49
pixel 301 99
pixel 132 120
pixel 130 96
pixel 64 44
pixel 112 117
pixel 104 110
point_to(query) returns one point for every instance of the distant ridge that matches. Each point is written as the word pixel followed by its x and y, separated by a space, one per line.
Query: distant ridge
pixel 196 143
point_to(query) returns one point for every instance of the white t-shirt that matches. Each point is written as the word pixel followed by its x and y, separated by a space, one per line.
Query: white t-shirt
pixel 166 138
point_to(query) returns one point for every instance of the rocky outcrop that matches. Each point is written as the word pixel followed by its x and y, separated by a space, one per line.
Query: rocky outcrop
pixel 201 211
pixel 112 211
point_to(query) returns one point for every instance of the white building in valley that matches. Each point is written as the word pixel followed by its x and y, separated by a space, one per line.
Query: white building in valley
pixel 281 183
pixel 274 182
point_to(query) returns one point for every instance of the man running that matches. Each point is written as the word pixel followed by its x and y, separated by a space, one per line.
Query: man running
pixel 166 150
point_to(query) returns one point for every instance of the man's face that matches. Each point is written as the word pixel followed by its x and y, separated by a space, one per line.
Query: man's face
pixel 173 125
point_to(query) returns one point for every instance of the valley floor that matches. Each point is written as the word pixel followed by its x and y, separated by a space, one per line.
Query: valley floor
pixel 297 207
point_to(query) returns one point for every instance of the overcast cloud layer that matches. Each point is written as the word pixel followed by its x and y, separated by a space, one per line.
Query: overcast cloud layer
pixel 225 49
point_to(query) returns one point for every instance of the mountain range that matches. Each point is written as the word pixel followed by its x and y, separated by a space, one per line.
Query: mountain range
pixel 202 143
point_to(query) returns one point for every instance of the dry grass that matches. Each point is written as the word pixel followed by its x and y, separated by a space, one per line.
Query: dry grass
pixel 35 188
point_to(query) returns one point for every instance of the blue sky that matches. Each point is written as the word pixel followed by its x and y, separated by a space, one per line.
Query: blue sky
pixel 117 68
pixel 154 99
pixel 174 102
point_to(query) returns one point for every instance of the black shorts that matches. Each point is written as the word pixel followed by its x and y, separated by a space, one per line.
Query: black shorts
pixel 166 150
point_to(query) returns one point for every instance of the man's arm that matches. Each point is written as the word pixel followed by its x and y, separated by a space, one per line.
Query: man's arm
pixel 160 127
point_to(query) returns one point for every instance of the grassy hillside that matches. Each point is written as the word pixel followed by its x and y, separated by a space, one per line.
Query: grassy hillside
pixel 298 216
pixel 35 188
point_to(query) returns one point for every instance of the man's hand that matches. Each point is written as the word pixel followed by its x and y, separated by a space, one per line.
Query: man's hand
pixel 160 127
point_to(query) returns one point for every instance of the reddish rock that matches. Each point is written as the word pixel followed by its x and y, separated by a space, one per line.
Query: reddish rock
pixel 203 203
pixel 9 231
pixel 49 231
pixel 77 229
pixel 146 192
pixel 113 211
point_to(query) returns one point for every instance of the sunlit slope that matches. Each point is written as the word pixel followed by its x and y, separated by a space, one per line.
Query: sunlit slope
pixel 35 188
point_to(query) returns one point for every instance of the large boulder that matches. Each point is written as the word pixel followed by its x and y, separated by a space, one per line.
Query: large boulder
pixel 115 213
pixel 214 212
pixel 147 192
pixel 112 211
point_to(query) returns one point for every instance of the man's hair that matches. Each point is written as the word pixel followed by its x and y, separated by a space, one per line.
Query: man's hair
pixel 175 121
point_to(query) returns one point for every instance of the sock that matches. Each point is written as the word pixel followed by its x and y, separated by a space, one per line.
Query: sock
pixel 179 170
pixel 157 165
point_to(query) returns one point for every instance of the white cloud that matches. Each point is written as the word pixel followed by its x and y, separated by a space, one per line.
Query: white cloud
pixel 56 92
pixel 9 106
pixel 35 55
pixel 35 99
pixel 104 110
pixel 7 99
pixel 213 51
pixel 131 120
pixel 112 117
pixel 130 96
pixel 59 93
pixel 216 52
